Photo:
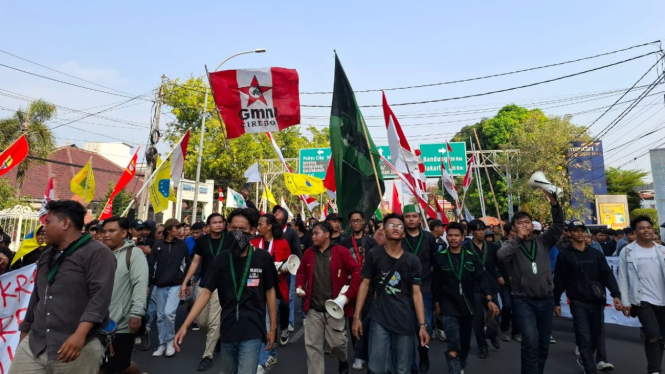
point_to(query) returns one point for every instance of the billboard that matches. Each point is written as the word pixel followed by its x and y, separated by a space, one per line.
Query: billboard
pixel 612 210
pixel 587 167
pixel 657 157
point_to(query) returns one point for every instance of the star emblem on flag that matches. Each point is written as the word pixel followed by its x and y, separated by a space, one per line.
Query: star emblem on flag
pixel 255 92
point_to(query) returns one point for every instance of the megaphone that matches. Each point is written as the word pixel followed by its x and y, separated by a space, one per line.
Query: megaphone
pixel 336 307
pixel 538 180
pixel 292 264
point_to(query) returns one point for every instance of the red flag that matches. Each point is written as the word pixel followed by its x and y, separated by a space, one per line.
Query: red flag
pixel 14 154
pixel 221 195
pixel 329 180
pixel 256 100
pixel 439 208
pixel 397 206
pixel 469 175
pixel 125 178
pixel 49 195
pixel 450 151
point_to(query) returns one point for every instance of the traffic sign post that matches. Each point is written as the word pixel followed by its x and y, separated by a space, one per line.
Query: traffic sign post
pixel 433 154
pixel 314 162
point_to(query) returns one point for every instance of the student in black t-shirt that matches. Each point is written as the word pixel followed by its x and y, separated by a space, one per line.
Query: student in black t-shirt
pixel 457 271
pixel 244 277
pixel 397 305
pixel 206 249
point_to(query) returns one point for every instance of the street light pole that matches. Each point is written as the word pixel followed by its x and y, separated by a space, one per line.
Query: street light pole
pixel 203 128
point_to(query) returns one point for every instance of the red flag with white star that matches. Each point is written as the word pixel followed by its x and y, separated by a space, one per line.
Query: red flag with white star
pixel 256 100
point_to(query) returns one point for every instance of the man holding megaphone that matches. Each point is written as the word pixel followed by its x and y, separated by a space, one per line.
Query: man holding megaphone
pixel 324 272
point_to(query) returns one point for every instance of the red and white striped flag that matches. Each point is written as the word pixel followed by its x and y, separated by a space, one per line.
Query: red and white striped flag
pixel 448 182
pixel 178 159
pixel 397 206
pixel 469 175
pixel 329 181
pixel 221 195
pixel 124 180
pixel 450 151
pixel 48 196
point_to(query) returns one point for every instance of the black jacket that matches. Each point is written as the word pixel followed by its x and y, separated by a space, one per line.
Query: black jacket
pixel 170 261
pixel 428 248
pixel 568 274
pixel 489 261
pixel 445 286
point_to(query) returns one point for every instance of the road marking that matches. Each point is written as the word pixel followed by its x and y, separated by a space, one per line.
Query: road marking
pixel 298 334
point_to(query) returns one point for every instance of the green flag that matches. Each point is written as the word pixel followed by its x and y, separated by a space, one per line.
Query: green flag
pixel 353 152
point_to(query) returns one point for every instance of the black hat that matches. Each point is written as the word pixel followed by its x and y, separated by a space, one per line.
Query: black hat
pixel 435 223
pixel 333 217
pixel 136 224
pixel 576 224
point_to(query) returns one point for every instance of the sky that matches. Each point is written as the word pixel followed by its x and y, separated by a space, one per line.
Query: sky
pixel 127 46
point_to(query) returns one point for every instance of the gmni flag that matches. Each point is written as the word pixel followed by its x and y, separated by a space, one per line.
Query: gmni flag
pixel 353 152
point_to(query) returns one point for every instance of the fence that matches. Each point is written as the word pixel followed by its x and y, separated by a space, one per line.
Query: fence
pixel 17 222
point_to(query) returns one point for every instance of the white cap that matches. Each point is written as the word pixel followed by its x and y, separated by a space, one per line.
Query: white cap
pixel 537 226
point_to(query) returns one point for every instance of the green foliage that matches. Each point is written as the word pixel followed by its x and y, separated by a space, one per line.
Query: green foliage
pixel 624 182
pixel 649 212
pixel 8 193
pixel 120 201
pixel 40 139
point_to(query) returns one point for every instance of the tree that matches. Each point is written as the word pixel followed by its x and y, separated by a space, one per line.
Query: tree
pixel 624 182
pixel 8 194
pixel 120 201
pixel 649 212
pixel 40 139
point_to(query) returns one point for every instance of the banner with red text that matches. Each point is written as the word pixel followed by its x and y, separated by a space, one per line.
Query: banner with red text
pixel 15 290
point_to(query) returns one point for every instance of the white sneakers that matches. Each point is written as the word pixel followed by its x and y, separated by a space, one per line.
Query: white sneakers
pixel 358 364
pixel 164 348
pixel 603 366
pixel 260 370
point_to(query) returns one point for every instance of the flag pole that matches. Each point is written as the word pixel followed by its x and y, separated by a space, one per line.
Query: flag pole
pixel 371 158
pixel 87 178
pixel 496 204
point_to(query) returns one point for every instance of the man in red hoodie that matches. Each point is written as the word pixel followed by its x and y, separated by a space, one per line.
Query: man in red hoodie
pixel 323 271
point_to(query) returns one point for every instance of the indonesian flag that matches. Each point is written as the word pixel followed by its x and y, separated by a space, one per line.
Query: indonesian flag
pixel 450 151
pixel 178 159
pixel 125 178
pixel 256 100
pixel 439 208
pixel 324 212
pixel 397 206
pixel 308 200
pixel 14 154
pixel 329 180
pixel 448 182
pixel 422 181
pixel 401 152
pixel 221 195
pixel 48 196
pixel 469 175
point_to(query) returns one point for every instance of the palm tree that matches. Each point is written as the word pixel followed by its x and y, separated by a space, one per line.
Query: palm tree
pixel 40 138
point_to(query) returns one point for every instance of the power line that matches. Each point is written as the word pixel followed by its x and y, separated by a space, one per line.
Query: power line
pixel 493 75
pixel 77 165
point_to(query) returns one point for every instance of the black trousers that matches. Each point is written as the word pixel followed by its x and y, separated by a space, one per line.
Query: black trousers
pixel 652 318
pixel 587 322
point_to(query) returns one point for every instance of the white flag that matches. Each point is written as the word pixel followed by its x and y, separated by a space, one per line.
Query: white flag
pixel 467 214
pixel 253 174
pixel 234 199
pixel 282 203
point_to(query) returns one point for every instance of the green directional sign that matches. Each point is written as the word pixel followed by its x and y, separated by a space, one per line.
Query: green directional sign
pixel 314 162
pixel 432 154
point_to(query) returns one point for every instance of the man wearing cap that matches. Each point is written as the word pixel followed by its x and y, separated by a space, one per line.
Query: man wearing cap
pixel 171 259
pixel 335 222
pixel 93 229
pixel 422 244
pixel 583 273
pixel 532 286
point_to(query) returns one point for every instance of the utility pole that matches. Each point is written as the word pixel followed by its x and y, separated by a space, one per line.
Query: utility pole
pixel 151 151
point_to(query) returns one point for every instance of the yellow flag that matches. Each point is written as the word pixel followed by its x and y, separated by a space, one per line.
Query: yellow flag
pixel 301 184
pixel 160 186
pixel 28 245
pixel 83 183
pixel 270 197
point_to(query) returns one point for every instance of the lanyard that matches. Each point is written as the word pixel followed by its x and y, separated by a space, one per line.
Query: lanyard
pixel 355 246
pixel 54 270
pixel 243 281
pixel 262 245
pixel 458 273
pixel 484 257
pixel 420 241
pixel 530 255
pixel 213 253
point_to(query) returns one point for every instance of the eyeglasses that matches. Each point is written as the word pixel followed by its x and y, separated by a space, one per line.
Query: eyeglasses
pixel 395 226
pixel 356 221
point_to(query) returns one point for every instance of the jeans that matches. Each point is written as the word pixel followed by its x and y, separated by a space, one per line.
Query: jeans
pixel 587 324
pixel 292 301
pixel 534 316
pixel 458 334
pixel 389 352
pixel 652 318
pixel 283 314
pixel 167 304
pixel 507 314
pixel 151 313
pixel 241 358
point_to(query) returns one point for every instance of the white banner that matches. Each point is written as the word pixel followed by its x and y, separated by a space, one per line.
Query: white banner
pixel 15 290
pixel 611 315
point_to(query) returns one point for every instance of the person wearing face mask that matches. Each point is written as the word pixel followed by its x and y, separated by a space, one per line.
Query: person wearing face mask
pixel 245 279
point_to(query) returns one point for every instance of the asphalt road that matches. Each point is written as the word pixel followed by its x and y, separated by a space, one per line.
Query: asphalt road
pixel 624 350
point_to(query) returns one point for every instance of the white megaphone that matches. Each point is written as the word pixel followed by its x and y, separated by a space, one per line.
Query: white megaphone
pixel 292 264
pixel 336 307
pixel 538 180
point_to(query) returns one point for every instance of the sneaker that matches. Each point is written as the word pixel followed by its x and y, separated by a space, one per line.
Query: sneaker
pixel 145 341
pixel 170 351
pixel 495 342
pixel 483 354
pixel 137 340
pixel 552 341
pixel 504 336
pixel 358 364
pixel 439 334
pixel 260 370
pixel 205 364
pixel 272 361
pixel 160 351
pixel 343 367
pixel 284 338
pixel 195 326
pixel 604 366
pixel 291 328
pixel 517 337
